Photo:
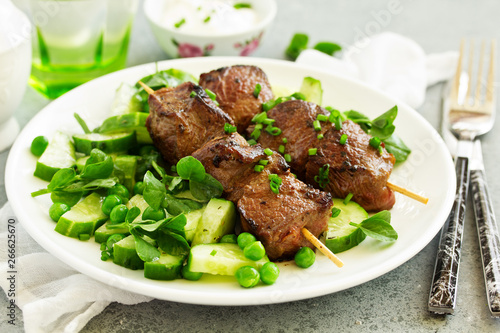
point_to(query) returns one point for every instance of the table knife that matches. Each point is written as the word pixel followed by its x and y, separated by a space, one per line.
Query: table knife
pixel 487 230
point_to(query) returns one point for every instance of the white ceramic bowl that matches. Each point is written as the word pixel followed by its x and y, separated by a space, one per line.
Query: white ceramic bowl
pixel 178 43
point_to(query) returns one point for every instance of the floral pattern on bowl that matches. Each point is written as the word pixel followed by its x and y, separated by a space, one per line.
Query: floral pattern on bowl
pixel 187 50
pixel 249 46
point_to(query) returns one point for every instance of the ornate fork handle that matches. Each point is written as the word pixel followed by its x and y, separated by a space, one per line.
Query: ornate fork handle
pixel 489 238
pixel 442 297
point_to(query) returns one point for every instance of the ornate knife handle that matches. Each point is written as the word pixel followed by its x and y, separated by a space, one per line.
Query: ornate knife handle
pixel 489 240
pixel 442 296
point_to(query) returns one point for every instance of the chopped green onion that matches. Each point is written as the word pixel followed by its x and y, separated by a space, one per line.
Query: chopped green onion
pixel 207 19
pixel 320 136
pixel 241 5
pixel 268 152
pixel 317 125
pixel 299 95
pixel 275 131
pixel 268 105
pixel 322 177
pixel 293 174
pixel 380 150
pixel 211 94
pixel 213 253
pixel 338 123
pixel 181 22
pixel 257 90
pixel 281 149
pixel 375 142
pixel 288 158
pixel 255 134
pixel 259 126
pixel 322 117
pixel 228 128
pixel 258 168
pixel 264 162
pixel 297 45
pixel 285 140
pixel 252 142
pixel 313 151
pixel 343 139
pixel 335 211
pixel 274 183
pixel 348 198
pixel 327 47
pixel 259 117
pixel 192 94
pixel 269 121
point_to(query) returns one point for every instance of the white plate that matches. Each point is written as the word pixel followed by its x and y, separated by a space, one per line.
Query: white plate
pixel 429 171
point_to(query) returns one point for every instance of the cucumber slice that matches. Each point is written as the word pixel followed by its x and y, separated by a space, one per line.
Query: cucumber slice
pixel 129 122
pixel 108 143
pixel 218 220
pixel 83 218
pixel 80 163
pixel 340 235
pixel 139 202
pixel 220 259
pixel 124 101
pixel 125 167
pixel 59 154
pixel 193 219
pixel 102 233
pixel 311 88
pixel 166 268
pixel 124 254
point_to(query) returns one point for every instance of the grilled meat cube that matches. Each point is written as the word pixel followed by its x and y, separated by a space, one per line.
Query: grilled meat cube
pixel 180 124
pixel 295 119
pixel 234 87
pixel 231 160
pixel 277 219
pixel 355 167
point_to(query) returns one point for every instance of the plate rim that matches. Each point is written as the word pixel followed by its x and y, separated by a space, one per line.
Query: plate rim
pixel 150 289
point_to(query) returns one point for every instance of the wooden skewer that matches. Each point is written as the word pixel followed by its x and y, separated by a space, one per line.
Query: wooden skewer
pixel 320 246
pixel 146 87
pixel 408 193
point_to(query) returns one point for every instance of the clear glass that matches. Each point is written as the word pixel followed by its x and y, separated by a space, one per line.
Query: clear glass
pixel 75 41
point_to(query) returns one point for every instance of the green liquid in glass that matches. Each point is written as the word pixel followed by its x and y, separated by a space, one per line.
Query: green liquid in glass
pixel 55 77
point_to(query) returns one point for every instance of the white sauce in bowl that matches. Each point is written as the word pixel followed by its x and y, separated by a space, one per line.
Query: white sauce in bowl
pixel 208 17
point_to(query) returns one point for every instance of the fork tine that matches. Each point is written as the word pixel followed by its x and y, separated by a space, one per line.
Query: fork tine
pixel 468 95
pixel 490 89
pixel 479 84
pixel 456 82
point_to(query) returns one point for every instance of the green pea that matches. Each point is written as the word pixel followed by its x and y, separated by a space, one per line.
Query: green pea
pixel 121 191
pixel 254 251
pixel 57 210
pixel 118 213
pixel 231 238
pixel 109 202
pixel 139 188
pixel 269 273
pixel 153 214
pixel 189 275
pixel 247 276
pixel 67 198
pixel 38 145
pixel 245 238
pixel 305 257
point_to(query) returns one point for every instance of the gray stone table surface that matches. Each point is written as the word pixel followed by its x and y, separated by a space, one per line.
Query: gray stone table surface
pixel 394 302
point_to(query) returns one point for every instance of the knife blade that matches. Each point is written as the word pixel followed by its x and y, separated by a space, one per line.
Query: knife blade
pixel 487 231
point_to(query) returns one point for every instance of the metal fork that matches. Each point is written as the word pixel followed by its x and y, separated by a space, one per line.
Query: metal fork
pixel 468 118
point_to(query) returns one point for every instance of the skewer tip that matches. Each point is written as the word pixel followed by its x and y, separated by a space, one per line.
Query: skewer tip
pixel 408 193
pixel 322 248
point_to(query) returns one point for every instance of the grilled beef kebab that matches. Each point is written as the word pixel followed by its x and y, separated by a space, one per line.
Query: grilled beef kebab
pixel 354 167
pixel 184 121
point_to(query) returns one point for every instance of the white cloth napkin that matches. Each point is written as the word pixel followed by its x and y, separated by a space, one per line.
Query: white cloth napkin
pixel 53 297
pixel 393 63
